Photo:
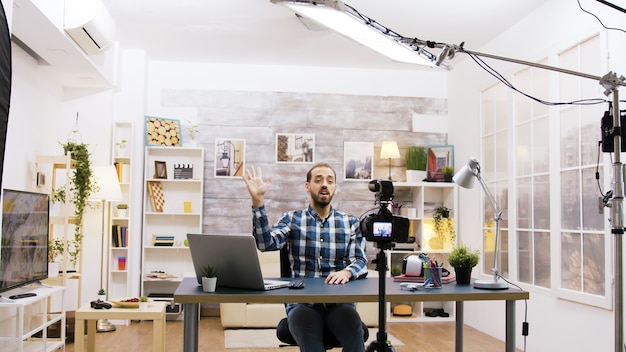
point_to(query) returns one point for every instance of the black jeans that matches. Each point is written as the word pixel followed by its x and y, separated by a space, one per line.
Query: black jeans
pixel 307 321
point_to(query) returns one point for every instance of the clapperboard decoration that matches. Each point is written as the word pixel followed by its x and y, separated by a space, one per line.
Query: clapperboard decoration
pixel 183 171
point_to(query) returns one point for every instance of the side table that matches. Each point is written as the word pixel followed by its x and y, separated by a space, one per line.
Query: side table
pixel 155 312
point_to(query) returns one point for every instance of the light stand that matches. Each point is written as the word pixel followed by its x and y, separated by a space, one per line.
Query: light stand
pixel 465 178
pixel 108 190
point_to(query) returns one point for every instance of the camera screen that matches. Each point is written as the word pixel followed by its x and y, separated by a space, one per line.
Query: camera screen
pixel 381 229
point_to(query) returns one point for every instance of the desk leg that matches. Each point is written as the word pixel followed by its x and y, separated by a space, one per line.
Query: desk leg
pixel 158 334
pixel 190 327
pixel 91 335
pixel 510 326
pixel 79 335
pixel 458 326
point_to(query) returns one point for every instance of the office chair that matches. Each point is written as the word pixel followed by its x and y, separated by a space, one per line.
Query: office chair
pixel 282 330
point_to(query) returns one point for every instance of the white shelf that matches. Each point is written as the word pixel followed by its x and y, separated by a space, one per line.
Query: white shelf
pixel 173 220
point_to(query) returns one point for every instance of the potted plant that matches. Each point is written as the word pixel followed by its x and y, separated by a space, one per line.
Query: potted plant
pixel 463 259
pixel 192 130
pixel 143 303
pixel 56 247
pixel 416 158
pixel 121 148
pixel 102 295
pixel 443 227
pixel 122 208
pixel 209 280
pixel 448 172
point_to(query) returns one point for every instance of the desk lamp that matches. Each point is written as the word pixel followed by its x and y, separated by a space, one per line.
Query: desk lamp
pixel 389 150
pixel 108 191
pixel 465 178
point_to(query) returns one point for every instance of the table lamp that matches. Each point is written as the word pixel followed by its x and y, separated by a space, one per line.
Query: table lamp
pixel 465 178
pixel 389 150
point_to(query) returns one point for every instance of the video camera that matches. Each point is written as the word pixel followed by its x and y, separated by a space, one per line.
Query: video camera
pixel 383 226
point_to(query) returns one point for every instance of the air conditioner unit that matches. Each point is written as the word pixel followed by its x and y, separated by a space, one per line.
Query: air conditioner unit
pixel 89 24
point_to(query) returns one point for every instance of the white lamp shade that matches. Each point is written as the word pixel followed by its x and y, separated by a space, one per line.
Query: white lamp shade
pixel 389 150
pixel 467 175
pixel 108 184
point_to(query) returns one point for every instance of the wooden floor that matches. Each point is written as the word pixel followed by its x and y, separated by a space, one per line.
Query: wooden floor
pixel 417 337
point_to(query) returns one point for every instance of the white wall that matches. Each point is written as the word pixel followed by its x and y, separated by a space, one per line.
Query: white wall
pixel 555 324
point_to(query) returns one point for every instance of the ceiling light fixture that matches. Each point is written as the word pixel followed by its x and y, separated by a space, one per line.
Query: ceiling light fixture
pixel 346 20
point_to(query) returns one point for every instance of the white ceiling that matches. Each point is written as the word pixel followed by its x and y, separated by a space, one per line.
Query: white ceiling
pixel 259 32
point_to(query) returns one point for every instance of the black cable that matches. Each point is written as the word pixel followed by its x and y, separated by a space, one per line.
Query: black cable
pixel 480 62
pixel 602 24
pixel 525 324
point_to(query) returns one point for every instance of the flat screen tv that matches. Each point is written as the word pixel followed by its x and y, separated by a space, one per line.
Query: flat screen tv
pixel 24 243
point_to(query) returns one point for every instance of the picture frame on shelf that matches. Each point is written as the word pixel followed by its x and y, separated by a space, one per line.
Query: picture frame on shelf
pixel 439 157
pixel 163 132
pixel 160 169
pixel 295 148
pixel 358 161
pixel 229 157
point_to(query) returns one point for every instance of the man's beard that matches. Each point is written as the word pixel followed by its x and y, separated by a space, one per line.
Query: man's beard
pixel 318 201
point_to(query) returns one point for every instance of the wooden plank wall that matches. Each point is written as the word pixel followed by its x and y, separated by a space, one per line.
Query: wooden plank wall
pixel 258 116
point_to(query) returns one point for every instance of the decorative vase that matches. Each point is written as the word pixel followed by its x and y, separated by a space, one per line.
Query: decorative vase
pixel 413 176
pixel 143 306
pixel 102 297
pixel 463 275
pixel 53 269
pixel 191 144
pixel 121 213
pixel 121 151
pixel 209 284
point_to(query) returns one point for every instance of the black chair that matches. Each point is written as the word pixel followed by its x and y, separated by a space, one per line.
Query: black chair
pixel 282 330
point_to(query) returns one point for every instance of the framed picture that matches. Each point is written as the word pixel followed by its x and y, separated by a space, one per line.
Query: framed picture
pixel 295 148
pixel 438 158
pixel 160 169
pixel 162 132
pixel 357 161
pixel 229 157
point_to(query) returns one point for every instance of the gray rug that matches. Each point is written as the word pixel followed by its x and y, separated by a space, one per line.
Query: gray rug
pixel 266 338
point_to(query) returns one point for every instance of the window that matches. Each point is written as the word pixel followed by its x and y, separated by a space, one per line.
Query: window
pixel 532 178
pixel 494 170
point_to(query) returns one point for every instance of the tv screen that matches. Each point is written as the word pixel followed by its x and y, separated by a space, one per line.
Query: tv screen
pixel 24 243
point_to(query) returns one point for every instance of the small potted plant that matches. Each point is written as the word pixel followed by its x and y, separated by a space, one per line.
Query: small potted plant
pixel 122 209
pixel 102 295
pixel 463 259
pixel 192 130
pixel 56 247
pixel 143 303
pixel 415 158
pixel 121 148
pixel 209 280
pixel 448 172
pixel 443 226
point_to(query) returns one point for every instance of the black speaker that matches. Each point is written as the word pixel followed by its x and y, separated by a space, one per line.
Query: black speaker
pixel 608 134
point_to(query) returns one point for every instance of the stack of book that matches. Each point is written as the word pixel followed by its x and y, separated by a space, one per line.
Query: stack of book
pixel 162 240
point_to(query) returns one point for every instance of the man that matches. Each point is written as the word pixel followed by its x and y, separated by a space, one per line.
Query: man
pixel 323 242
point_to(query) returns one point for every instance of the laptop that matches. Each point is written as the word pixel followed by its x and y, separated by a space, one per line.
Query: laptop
pixel 236 259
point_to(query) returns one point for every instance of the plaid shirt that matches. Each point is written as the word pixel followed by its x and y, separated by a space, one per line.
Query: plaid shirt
pixel 317 246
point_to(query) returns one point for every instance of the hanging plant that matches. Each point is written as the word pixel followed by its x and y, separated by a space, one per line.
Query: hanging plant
pixel 82 186
pixel 443 225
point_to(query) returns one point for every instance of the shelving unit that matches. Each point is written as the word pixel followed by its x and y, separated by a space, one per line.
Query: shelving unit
pixel 426 197
pixel 55 172
pixel 167 216
pixel 26 322
pixel 118 247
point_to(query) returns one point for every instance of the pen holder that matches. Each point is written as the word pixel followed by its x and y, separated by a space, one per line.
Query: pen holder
pixel 432 277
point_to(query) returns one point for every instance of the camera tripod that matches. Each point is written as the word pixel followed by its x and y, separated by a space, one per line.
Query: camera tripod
pixel 381 344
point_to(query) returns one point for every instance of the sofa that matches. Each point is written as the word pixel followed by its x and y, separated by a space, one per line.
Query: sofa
pixel 267 315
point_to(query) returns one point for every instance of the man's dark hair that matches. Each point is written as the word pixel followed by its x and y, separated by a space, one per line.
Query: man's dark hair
pixel 308 174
